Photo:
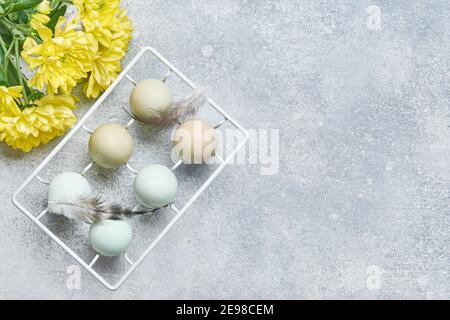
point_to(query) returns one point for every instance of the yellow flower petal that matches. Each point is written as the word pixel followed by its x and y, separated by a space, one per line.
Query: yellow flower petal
pixel 39 20
pixel 8 97
pixel 114 42
pixel 34 126
pixel 62 59
pixel 29 44
pixel 45 33
pixel 44 7
pixel 99 18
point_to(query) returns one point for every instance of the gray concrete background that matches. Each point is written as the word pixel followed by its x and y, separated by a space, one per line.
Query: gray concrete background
pixel 360 206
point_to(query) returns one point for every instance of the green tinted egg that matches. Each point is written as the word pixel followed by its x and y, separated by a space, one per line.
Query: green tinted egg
pixel 155 186
pixel 110 238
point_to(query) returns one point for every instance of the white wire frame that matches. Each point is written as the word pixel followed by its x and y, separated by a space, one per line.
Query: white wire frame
pixel 80 125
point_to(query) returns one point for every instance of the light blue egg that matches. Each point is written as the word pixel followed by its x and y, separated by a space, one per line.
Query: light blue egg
pixel 155 186
pixel 110 238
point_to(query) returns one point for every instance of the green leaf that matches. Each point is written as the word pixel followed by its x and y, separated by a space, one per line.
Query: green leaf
pixel 56 3
pixel 3 74
pixel 25 16
pixel 14 16
pixel 7 38
pixel 4 31
pixel 35 95
pixel 54 16
pixel 13 79
pixel 24 5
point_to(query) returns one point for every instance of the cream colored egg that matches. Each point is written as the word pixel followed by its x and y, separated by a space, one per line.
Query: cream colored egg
pixel 149 98
pixel 195 141
pixel 110 145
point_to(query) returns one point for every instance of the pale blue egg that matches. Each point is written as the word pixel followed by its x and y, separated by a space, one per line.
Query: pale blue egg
pixel 110 238
pixel 155 186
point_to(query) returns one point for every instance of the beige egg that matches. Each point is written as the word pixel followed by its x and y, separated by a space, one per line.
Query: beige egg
pixel 110 145
pixel 149 98
pixel 195 141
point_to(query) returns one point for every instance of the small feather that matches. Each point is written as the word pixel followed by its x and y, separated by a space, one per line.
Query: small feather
pixel 180 111
pixel 93 209
pixel 188 107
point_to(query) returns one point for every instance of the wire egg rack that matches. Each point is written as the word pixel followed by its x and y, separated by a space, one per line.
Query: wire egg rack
pixel 178 212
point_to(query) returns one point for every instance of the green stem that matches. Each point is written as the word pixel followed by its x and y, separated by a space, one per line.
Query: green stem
pixel 19 72
pixel 2 44
pixel 6 62
pixel 9 51
pixel 13 61
pixel 6 12
pixel 7 56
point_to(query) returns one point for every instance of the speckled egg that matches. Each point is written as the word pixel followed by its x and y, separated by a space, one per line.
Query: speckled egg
pixel 66 188
pixel 155 186
pixel 111 145
pixel 150 98
pixel 195 141
pixel 110 238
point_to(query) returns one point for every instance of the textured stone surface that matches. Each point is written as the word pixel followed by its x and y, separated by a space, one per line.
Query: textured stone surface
pixel 360 205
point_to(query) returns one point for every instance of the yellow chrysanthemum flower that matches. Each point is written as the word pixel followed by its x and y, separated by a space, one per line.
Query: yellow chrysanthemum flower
pixel 105 68
pixel 99 17
pixel 107 62
pixel 50 118
pixel 60 60
pixel 121 36
pixel 41 18
pixel 8 97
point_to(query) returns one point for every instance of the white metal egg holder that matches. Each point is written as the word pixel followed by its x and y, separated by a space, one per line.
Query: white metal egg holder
pixel 80 125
